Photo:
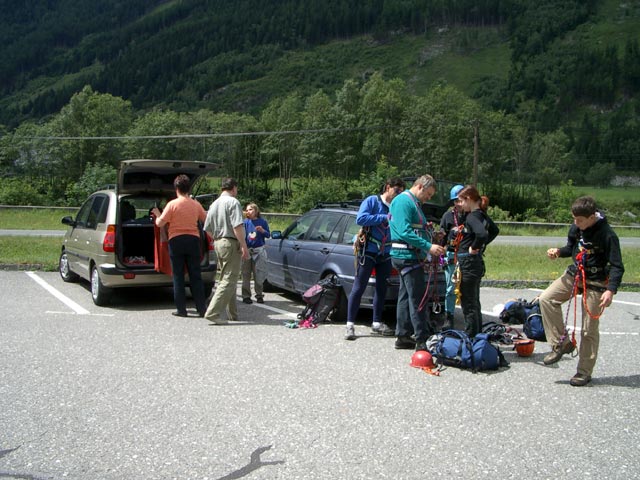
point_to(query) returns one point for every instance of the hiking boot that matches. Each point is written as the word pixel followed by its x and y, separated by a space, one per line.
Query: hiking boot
pixel 405 343
pixel 558 350
pixel 351 333
pixel 248 301
pixel 383 330
pixel 260 300
pixel 448 322
pixel 580 380
pixel 421 347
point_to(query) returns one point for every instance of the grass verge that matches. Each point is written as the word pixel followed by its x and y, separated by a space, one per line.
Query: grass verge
pixel 504 263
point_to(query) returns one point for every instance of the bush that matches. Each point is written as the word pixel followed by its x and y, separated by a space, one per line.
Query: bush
pixel 14 191
pixel 311 191
pixel 94 178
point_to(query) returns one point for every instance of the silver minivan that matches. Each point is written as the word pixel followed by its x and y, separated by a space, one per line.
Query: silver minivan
pixel 113 242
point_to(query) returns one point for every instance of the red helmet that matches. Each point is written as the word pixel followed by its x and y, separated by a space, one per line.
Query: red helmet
pixel 422 359
pixel 525 347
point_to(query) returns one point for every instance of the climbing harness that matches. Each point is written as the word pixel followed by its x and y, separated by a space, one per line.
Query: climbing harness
pixel 579 284
pixel 360 245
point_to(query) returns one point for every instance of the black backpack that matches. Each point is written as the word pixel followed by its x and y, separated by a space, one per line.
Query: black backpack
pixel 321 298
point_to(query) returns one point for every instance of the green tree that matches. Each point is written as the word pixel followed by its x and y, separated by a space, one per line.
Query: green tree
pixel 281 148
pixel 91 114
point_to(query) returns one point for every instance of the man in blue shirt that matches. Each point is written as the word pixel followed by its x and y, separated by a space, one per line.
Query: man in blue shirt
pixel 374 248
pixel 410 248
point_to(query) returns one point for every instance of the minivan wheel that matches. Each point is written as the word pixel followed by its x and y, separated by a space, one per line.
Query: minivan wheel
pixel 65 272
pixel 100 294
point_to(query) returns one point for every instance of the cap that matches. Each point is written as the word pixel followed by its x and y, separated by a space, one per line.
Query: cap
pixel 455 191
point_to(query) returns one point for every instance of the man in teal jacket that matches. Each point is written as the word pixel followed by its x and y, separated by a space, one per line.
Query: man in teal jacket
pixel 410 247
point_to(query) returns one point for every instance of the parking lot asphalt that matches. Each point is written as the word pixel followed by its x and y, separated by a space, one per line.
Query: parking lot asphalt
pixel 131 392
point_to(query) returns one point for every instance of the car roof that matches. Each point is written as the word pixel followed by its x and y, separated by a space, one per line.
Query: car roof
pixel 350 206
pixel 157 176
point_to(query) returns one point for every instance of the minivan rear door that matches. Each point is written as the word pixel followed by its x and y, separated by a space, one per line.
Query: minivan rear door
pixel 157 176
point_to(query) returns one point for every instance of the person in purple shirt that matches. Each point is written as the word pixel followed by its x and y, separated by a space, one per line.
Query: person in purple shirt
pixel 256 230
pixel 373 216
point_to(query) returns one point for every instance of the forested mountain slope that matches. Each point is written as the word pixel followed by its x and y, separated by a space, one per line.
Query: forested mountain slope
pixel 554 63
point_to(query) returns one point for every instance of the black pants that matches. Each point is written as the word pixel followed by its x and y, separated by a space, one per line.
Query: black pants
pixel 472 270
pixel 184 250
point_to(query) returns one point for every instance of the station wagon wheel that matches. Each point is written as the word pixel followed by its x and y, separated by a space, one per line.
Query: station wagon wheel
pixel 63 267
pixel 100 294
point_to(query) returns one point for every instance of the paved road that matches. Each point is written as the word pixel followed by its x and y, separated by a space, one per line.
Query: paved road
pixel 133 392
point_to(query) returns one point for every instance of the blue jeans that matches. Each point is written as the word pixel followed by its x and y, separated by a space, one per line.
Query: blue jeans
pixel 184 250
pixel 472 271
pixel 413 284
pixel 450 295
pixel 382 265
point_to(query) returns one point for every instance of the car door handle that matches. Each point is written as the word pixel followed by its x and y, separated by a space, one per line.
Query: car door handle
pixel 295 247
pixel 326 251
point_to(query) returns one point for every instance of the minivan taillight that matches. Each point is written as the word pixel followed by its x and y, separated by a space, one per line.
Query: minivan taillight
pixel 109 242
pixel 209 242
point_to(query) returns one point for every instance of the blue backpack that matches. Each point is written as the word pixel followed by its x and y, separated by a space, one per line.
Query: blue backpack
pixel 455 348
pixel 533 326
pixel 520 312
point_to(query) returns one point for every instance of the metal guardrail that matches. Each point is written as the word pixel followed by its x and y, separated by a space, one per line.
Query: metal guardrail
pixel 293 216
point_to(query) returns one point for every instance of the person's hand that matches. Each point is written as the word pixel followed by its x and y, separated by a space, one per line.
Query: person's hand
pixel 436 250
pixel 553 253
pixel 473 251
pixel 606 299
pixel 245 252
pixel 259 229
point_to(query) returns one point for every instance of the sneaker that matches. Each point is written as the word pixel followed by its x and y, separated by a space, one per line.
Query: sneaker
pixel 383 330
pixel 558 350
pixel 259 300
pixel 351 333
pixel 405 343
pixel 580 380
pixel 248 301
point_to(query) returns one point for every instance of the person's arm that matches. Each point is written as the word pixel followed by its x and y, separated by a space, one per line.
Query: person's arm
pixel 263 228
pixel 239 232
pixel 614 262
pixel 161 218
pixel 475 223
pixel 366 217
pixel 401 229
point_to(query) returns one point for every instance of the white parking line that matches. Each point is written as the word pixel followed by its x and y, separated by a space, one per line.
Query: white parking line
pixel 63 298
pixel 276 310
pixel 622 302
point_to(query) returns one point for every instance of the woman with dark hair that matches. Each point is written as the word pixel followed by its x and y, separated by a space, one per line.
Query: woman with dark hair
pixel 478 231
pixel 181 215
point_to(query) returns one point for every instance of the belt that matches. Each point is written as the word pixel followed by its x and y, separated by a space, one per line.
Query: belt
pixel 255 249
pixel 402 246
pixel 225 238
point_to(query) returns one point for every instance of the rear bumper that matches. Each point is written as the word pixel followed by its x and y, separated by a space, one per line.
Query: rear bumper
pixel 113 276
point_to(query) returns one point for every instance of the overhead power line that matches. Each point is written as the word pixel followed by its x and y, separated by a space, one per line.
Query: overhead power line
pixel 206 135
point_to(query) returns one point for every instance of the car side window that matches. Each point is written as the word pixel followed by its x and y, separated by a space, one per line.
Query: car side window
pixel 324 227
pixel 336 236
pixel 300 229
pixel 83 214
pixel 351 231
pixel 96 213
